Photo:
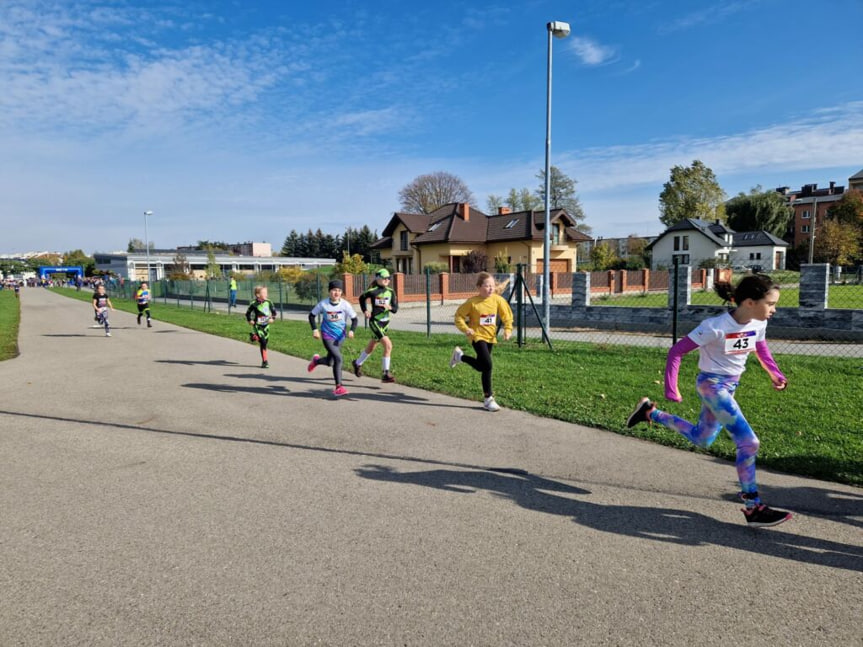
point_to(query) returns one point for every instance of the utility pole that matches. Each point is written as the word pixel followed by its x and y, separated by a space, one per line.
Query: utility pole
pixel 812 229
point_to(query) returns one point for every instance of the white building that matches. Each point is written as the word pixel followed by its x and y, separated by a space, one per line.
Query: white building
pixel 754 249
pixel 133 265
pixel 694 241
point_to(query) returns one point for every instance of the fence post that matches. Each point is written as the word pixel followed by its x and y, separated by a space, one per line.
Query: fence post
pixel 428 301
pixel 645 277
pixel 680 292
pixel 444 287
pixel 814 280
pixel 519 304
pixel 581 289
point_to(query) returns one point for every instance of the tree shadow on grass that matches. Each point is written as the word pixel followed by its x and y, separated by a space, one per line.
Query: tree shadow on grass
pixel 655 524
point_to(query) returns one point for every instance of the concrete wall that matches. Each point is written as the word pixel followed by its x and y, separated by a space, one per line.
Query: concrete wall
pixel 812 320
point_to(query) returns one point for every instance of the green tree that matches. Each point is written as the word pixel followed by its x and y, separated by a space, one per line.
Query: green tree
pixel 291 246
pixel 516 200
pixel 759 210
pixel 214 271
pixel 692 192
pixel 351 264
pixel 837 243
pixel 180 269
pixel 849 208
pixel 79 258
pixel 603 257
pixel 429 192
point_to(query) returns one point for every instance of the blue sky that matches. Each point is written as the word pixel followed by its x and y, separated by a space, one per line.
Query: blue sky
pixel 242 120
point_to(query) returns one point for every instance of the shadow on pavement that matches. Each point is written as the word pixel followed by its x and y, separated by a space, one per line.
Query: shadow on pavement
pixel 192 362
pixel 278 389
pixel 658 524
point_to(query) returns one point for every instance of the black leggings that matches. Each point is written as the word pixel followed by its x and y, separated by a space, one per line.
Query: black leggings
pixel 482 363
pixel 333 358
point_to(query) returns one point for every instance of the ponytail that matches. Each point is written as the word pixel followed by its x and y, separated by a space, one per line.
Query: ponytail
pixel 753 286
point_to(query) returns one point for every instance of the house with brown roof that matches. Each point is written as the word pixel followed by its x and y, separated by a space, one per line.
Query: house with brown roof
pixel 409 242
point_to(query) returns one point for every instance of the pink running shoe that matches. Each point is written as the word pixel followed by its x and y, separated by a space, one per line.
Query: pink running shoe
pixel 340 390
pixel 314 362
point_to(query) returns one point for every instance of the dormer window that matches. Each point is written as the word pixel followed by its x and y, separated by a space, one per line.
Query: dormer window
pixel 436 225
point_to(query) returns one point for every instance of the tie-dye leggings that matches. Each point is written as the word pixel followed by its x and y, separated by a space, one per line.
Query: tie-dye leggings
pixel 718 409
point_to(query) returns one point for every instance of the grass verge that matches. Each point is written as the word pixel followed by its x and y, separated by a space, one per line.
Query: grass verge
pixel 812 429
pixel 10 315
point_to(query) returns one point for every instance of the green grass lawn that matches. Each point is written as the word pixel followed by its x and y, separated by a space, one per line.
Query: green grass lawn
pixel 9 318
pixel 813 428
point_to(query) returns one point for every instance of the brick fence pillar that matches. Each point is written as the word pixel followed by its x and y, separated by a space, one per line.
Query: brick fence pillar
pixel 348 292
pixel 444 286
pixel 399 285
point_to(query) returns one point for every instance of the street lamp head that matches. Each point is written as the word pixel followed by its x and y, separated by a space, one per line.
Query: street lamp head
pixel 148 213
pixel 558 29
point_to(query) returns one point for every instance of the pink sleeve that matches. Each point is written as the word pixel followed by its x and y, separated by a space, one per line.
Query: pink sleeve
pixel 767 361
pixel 672 367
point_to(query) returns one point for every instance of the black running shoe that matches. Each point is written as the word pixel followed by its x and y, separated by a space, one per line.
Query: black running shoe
pixel 358 370
pixel 641 413
pixel 149 325
pixel 265 365
pixel 388 378
pixel 761 516
pixel 139 320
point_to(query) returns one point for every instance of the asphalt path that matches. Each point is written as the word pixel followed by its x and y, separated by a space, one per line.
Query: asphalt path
pixel 158 488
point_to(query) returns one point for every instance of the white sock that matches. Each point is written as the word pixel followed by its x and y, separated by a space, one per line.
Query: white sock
pixel 362 358
pixel 386 364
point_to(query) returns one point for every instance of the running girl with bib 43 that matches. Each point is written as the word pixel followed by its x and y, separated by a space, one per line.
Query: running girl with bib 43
pixel 724 343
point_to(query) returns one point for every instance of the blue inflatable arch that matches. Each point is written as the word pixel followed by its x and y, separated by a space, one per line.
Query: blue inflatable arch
pixel 44 270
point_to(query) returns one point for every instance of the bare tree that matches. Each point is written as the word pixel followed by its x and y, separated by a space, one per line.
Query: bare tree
pixel 432 191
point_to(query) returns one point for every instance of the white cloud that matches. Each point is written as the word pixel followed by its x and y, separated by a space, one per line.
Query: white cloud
pixel 829 138
pixel 713 14
pixel 591 52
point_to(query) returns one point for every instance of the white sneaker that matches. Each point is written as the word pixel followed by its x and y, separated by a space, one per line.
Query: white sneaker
pixel 456 357
pixel 107 334
pixel 490 405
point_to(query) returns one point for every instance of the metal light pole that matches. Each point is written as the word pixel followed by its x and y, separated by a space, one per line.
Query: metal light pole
pixel 812 224
pixel 147 243
pixel 558 30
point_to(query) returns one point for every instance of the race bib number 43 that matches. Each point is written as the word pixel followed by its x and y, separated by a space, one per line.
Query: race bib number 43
pixel 739 342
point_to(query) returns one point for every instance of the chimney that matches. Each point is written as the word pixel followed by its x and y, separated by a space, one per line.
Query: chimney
pixel 502 211
pixel 465 211
pixel 832 184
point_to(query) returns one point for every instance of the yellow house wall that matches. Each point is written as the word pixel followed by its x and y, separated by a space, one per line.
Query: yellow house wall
pixel 527 252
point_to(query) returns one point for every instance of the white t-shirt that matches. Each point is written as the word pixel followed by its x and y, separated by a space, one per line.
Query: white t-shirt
pixel 724 345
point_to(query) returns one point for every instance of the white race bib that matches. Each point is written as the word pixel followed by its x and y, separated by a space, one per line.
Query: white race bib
pixel 487 320
pixel 738 343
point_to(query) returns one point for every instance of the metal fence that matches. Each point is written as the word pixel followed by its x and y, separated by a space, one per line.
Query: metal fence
pixel 820 310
